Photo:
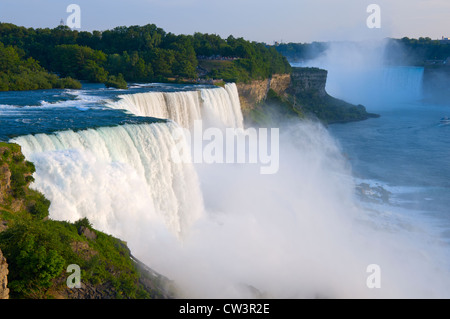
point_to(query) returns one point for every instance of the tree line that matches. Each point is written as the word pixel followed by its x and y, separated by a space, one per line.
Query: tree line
pixel 138 54
pixel 18 73
pixel 404 51
pixel 417 51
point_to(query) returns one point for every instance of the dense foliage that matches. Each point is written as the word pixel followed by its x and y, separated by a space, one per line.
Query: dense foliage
pixel 39 251
pixel 19 73
pixel 301 51
pixel 416 51
pixel 141 54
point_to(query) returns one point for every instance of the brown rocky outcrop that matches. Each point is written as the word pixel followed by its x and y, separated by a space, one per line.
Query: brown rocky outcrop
pixel 280 83
pixel 252 93
pixel 4 291
pixel 300 93
pixel 255 92
pixel 300 80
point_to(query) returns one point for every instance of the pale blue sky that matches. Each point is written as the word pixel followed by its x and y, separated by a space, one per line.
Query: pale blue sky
pixel 258 20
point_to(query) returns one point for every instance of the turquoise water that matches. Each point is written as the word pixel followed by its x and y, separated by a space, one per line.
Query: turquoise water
pixel 46 111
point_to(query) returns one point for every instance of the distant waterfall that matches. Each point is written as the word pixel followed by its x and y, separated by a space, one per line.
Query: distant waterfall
pixel 380 85
pixel 358 73
pixel 403 82
pixel 217 106
pixel 115 174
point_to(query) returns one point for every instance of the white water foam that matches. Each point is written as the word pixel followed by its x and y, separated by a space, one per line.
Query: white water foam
pixel 111 174
pixel 217 106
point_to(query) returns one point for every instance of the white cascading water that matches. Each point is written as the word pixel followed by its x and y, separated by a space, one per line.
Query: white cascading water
pixel 222 104
pixel 403 83
pixel 116 174
pixel 181 107
pixel 357 73
pixel 217 106
pixel 372 85
pixel 295 234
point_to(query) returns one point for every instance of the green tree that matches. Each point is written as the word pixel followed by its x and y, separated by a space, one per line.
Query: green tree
pixel 33 263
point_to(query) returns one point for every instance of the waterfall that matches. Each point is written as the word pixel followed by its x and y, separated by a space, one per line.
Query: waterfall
pixel 216 106
pixel 403 82
pixel 181 107
pixel 295 234
pixel 115 174
pixel 381 85
pixel 222 104
pixel 123 176
pixel 358 73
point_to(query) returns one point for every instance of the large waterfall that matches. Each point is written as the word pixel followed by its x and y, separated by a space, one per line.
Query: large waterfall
pixel 403 82
pixel 116 174
pixel 134 171
pixel 216 106
pixel 228 231
pixel 359 74
pixel 375 85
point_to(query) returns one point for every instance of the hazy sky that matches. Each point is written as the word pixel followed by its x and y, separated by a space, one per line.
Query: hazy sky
pixel 258 20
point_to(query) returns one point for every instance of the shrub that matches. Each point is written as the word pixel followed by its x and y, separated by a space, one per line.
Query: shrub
pixel 116 82
pixel 32 257
pixel 40 207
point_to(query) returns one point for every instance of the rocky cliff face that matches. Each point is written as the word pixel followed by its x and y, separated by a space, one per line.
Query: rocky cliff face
pixel 301 93
pixel 4 291
pixel 299 81
pixel 280 83
pixel 250 94
pixel 308 79
pixel 256 91
pixel 12 160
